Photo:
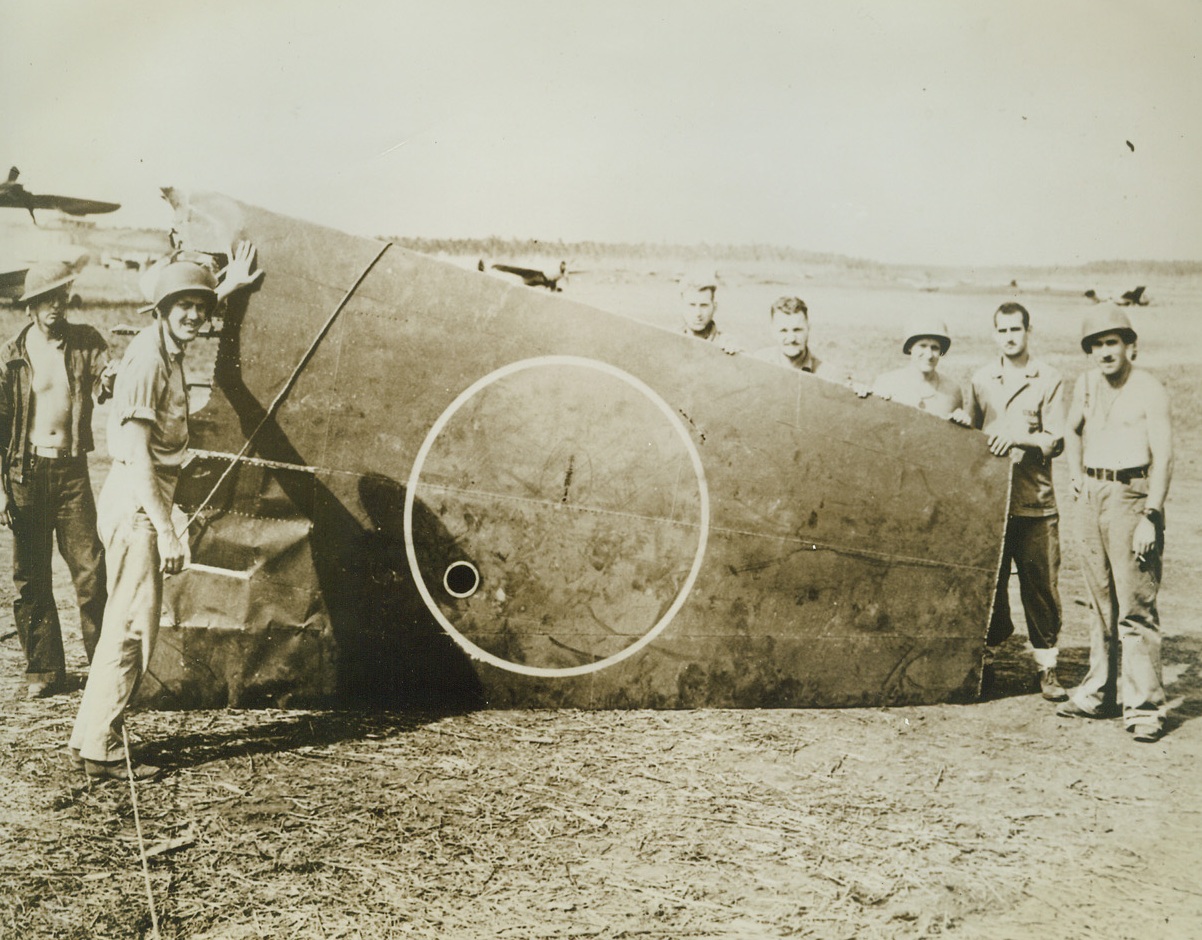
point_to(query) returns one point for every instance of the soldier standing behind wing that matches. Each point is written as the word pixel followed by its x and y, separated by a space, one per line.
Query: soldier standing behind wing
pixel 1119 447
pixel 52 372
pixel 791 324
pixel 700 305
pixel 1018 402
pixel 919 383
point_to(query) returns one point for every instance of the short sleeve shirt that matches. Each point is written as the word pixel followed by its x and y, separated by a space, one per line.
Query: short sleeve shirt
pixel 151 387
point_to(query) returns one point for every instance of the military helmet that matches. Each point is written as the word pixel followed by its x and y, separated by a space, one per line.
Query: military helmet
pixel 44 278
pixel 926 325
pixel 1106 320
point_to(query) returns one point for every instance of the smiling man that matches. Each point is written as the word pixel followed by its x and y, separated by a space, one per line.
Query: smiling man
pixel 790 319
pixel 148 440
pixel 1119 447
pixel 53 371
pixel 1017 400
pixel 918 383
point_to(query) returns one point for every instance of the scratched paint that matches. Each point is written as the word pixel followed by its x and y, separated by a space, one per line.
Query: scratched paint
pixel 850 546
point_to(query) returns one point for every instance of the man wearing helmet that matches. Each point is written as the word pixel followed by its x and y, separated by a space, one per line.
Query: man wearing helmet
pixel 1120 456
pixel 1018 402
pixel 52 372
pixel 148 440
pixel 919 383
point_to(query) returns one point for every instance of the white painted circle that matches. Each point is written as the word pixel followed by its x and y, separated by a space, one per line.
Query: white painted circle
pixel 454 567
pixel 468 646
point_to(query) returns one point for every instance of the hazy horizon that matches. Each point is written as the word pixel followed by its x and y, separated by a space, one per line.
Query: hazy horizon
pixel 989 133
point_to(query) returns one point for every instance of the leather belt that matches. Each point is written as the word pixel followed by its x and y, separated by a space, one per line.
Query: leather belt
pixel 1118 476
pixel 54 453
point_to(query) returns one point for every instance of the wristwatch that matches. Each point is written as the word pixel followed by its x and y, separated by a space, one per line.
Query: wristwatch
pixel 1155 515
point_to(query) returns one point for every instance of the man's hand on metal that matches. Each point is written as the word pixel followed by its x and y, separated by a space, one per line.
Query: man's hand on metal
pixel 240 273
pixel 1000 445
pixel 171 553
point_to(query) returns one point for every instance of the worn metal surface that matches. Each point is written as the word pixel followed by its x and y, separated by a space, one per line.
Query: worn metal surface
pixel 634 519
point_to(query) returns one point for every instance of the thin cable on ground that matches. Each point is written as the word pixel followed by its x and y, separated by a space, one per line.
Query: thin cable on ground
pixel 133 799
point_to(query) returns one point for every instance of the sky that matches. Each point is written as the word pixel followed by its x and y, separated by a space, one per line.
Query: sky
pixel 924 132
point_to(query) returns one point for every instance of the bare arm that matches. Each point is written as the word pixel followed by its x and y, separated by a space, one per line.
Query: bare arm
pixel 146 490
pixel 1073 426
pixel 1160 443
pixel 6 518
pixel 1160 473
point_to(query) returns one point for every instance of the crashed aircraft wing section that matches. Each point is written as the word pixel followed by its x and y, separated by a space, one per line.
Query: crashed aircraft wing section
pixel 462 492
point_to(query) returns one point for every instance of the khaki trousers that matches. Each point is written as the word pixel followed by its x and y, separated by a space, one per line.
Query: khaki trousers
pixel 127 635
pixel 1124 649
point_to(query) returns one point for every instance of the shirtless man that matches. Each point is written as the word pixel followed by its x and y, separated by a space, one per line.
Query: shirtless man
pixel 919 383
pixel 1119 448
pixel 52 372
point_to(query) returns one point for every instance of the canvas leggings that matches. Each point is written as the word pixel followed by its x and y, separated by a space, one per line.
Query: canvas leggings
pixel 1033 544
pixel 1124 649
pixel 54 500
pixel 131 625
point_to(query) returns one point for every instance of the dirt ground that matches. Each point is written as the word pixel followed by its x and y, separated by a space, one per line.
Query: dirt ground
pixel 989 820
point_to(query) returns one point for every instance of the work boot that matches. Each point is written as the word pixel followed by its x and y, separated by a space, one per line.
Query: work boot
pixel 115 770
pixel 1071 709
pixel 44 688
pixel 1146 733
pixel 1050 687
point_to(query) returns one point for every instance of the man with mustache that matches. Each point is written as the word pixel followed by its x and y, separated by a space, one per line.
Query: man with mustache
pixel 1017 400
pixel 1119 448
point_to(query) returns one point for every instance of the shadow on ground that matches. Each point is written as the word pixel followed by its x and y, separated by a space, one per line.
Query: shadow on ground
pixel 242 736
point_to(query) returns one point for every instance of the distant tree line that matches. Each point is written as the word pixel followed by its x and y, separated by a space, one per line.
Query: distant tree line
pixel 495 247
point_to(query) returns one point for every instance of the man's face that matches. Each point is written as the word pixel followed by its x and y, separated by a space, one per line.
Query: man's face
pixel 1010 334
pixel 1110 353
pixel 699 309
pixel 925 354
pixel 793 333
pixel 49 311
pixel 187 314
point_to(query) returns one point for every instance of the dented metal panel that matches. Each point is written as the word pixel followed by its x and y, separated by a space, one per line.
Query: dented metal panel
pixel 509 499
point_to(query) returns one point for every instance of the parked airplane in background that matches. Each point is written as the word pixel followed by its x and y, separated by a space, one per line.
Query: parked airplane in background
pixel 1134 297
pixel 19 252
pixel 15 196
pixel 532 277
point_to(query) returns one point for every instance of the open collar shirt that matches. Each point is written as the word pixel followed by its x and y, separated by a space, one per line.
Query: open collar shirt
pixel 1027 401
